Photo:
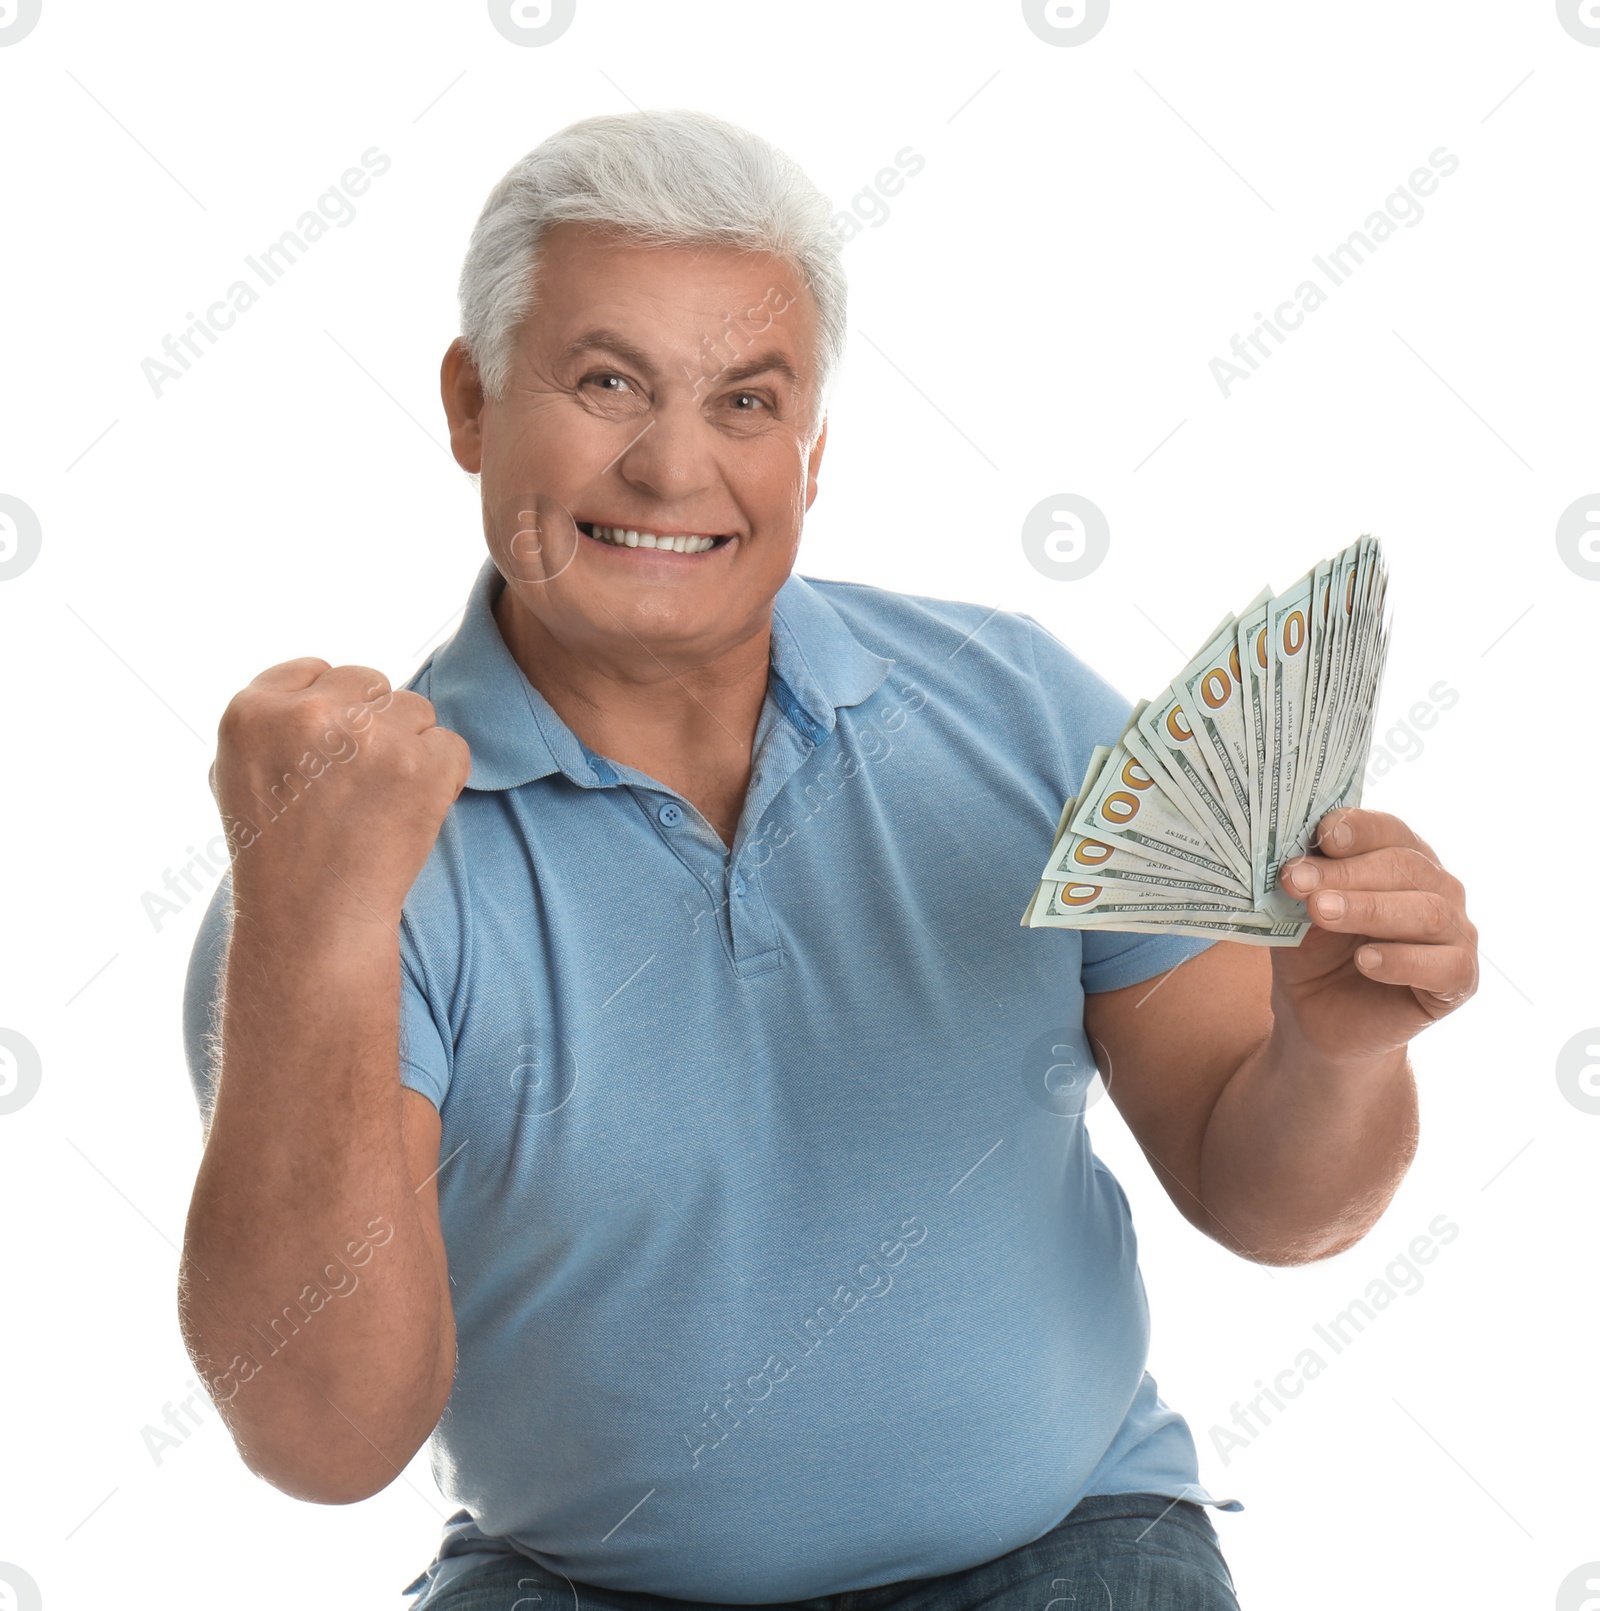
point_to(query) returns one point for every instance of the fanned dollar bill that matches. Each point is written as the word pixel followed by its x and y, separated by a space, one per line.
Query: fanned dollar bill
pixel 1182 825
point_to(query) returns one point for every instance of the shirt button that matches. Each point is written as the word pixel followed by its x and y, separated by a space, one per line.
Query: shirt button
pixel 670 815
pixel 738 883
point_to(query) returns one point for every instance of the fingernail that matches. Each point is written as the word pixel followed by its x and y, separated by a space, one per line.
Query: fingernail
pixel 1331 905
pixel 1337 837
pixel 1369 956
pixel 1305 875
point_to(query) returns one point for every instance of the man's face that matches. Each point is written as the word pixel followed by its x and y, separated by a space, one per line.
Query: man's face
pixel 660 390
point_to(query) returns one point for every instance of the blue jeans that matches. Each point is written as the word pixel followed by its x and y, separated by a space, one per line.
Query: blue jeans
pixel 1111 1552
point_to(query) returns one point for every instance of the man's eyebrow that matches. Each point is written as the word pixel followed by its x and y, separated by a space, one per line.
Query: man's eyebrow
pixel 599 340
pixel 770 362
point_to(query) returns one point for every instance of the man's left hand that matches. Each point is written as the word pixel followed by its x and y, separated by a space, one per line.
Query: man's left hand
pixel 1392 949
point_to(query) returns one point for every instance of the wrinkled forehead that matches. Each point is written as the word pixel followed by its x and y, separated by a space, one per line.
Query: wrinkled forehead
pixel 720 309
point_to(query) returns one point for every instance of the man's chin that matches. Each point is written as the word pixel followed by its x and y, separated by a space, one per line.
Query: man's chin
pixel 679 611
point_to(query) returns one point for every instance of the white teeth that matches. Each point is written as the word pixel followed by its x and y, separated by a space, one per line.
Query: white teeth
pixel 623 536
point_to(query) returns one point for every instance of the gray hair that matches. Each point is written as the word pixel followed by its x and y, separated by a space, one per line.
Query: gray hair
pixel 666 178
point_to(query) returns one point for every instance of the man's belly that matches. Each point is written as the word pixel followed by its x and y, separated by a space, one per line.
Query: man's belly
pixel 685 1398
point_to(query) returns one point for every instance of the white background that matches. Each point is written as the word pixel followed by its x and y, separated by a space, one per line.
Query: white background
pixel 1035 316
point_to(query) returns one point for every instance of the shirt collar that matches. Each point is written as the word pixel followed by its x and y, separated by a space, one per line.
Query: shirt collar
pixel 479 691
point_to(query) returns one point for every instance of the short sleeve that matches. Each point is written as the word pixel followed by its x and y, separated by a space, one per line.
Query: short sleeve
pixel 1084 710
pixel 424 1063
pixel 424 1055
pixel 202 998
pixel 1112 959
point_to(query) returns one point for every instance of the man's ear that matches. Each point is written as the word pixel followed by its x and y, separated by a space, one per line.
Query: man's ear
pixel 462 393
pixel 815 463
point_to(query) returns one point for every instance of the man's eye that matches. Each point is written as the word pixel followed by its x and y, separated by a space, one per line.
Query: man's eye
pixel 603 377
pixel 754 397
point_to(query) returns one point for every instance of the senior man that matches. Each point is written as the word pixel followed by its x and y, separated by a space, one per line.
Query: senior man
pixel 615 1044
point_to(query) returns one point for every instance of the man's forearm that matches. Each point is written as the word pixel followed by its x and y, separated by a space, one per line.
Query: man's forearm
pixel 326 1356
pixel 1301 1156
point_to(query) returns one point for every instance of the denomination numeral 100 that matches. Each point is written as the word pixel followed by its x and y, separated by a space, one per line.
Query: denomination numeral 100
pixel 1123 807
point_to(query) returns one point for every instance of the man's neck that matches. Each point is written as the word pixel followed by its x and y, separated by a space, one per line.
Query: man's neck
pixel 691 727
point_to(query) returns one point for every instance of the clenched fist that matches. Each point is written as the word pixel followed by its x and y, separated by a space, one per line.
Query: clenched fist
pixel 332 788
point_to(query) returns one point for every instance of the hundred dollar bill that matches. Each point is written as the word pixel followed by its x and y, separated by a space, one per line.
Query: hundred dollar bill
pixel 1255 686
pixel 1166 745
pixel 1182 826
pixel 1078 857
pixel 1124 807
pixel 1313 701
pixel 1337 660
pixel 1074 904
pixel 1330 753
pixel 1289 648
pixel 1344 650
pixel 1041 894
pixel 1096 905
pixel 1209 690
pixel 1370 631
pixel 1270 933
pixel 1327 650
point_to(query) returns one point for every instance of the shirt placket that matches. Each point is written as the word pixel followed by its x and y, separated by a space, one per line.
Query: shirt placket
pixel 732 880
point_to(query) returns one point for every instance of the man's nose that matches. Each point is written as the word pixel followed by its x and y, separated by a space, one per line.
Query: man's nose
pixel 671 457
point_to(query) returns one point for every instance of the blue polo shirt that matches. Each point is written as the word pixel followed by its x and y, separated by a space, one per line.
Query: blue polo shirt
pixel 781 1261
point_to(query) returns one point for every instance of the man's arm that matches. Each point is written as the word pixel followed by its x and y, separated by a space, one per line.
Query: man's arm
pixel 315 1298
pixel 1272 1092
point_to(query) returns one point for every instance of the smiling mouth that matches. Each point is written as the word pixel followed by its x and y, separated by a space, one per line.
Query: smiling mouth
pixel 637 537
